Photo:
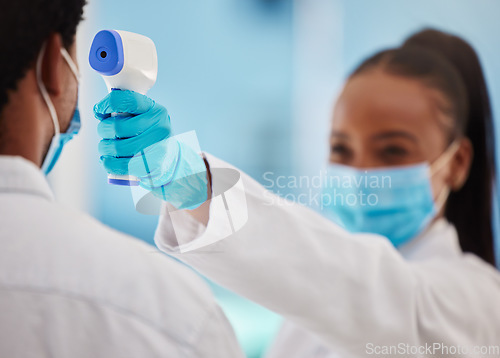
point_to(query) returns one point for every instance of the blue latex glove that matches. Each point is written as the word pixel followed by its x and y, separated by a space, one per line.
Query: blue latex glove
pixel 140 144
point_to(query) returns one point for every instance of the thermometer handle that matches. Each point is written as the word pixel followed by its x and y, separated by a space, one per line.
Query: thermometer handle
pixel 124 180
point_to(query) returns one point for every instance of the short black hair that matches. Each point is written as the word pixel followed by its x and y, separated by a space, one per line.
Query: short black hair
pixel 24 27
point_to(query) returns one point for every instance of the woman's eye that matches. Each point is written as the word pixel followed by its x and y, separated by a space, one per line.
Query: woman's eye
pixel 339 149
pixel 394 151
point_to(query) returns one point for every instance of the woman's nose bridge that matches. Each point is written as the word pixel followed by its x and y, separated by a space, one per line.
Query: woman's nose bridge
pixel 363 157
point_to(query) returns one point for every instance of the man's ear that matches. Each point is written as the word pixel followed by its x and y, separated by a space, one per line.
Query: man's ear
pixel 51 62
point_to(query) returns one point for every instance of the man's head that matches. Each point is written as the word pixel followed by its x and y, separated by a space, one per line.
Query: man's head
pixel 27 26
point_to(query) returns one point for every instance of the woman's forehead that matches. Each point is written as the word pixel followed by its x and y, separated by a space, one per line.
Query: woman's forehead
pixel 376 98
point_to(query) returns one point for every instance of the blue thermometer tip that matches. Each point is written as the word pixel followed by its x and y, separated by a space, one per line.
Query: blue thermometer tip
pixel 106 53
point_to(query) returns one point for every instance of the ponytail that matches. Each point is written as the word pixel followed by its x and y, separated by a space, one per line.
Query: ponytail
pixel 470 208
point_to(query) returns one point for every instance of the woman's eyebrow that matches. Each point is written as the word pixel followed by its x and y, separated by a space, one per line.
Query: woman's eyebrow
pixel 339 135
pixel 393 134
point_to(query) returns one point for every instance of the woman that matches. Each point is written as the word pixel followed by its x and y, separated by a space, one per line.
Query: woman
pixel 415 274
pixel 470 178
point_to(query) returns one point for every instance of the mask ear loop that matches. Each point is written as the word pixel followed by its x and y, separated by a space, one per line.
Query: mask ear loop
pixel 444 158
pixel 71 64
pixel 43 91
pixel 442 197
pixel 438 165
pixel 76 72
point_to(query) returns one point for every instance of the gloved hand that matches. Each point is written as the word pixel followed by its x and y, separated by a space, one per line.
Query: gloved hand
pixel 140 144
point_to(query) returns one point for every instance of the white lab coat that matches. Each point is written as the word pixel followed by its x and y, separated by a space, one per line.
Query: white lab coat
pixel 71 287
pixel 342 293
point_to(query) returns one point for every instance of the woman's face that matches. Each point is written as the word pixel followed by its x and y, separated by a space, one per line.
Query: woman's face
pixel 383 120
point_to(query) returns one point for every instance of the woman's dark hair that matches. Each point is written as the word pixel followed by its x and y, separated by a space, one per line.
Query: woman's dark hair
pixel 450 65
pixel 470 208
pixel 24 27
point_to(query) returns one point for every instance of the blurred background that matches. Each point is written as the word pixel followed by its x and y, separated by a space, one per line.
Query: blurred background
pixel 257 80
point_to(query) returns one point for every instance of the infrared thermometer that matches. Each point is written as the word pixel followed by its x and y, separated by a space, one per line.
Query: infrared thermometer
pixel 126 61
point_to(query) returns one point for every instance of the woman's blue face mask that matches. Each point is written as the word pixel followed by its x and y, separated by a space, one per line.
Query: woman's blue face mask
pixel 395 202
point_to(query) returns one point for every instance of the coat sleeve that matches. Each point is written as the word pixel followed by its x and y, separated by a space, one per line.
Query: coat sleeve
pixel 355 292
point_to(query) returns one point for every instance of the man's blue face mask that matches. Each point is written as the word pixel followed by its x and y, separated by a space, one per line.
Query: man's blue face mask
pixel 395 202
pixel 59 139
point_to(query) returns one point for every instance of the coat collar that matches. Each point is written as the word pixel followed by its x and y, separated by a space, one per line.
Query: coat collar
pixel 19 175
pixel 439 240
